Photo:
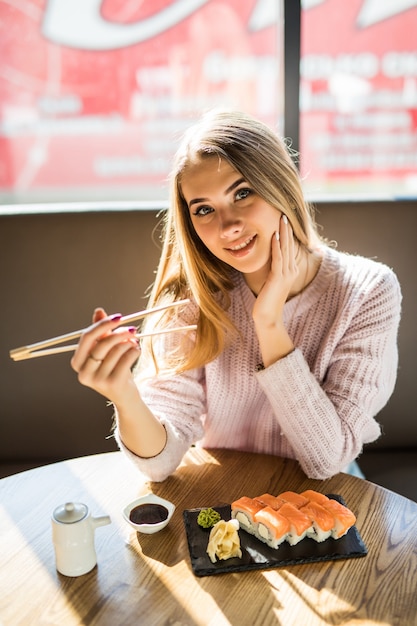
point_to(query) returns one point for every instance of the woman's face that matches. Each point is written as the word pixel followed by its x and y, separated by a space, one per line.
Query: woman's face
pixel 233 222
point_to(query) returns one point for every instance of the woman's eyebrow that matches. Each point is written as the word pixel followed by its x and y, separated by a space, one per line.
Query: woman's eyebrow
pixel 234 185
pixel 228 190
pixel 196 201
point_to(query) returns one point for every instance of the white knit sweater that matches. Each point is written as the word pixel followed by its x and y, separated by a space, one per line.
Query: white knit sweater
pixel 316 405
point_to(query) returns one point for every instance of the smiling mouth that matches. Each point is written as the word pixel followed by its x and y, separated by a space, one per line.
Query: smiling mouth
pixel 243 245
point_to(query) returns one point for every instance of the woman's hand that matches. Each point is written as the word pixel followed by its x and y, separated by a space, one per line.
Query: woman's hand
pixel 274 341
pixel 105 356
pixel 271 299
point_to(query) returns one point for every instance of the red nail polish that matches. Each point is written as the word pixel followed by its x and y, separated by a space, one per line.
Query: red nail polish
pixel 132 329
pixel 115 317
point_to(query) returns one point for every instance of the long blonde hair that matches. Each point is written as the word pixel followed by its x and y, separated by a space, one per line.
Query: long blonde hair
pixel 187 269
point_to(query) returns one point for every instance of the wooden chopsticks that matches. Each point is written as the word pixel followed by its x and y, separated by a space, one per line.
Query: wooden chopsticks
pixel 43 348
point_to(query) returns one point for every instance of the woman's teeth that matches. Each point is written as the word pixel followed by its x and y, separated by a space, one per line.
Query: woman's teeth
pixel 242 245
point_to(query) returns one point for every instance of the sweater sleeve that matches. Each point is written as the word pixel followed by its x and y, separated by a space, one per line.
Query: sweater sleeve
pixel 328 419
pixel 179 404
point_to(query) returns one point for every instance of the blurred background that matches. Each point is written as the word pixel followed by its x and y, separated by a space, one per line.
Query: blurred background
pixel 94 94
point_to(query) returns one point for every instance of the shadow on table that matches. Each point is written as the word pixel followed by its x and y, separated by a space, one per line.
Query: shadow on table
pixel 118 587
pixel 329 591
pixel 211 489
pixel 121 598
pixel 162 547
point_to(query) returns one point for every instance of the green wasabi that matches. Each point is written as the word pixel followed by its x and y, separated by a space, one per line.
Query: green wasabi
pixel 208 517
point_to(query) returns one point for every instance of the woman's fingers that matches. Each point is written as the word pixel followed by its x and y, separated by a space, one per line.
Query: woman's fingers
pixel 99 314
pixel 112 376
pixel 119 356
pixel 109 350
pixel 105 355
pixel 283 249
pixel 105 343
pixel 270 302
pixel 104 327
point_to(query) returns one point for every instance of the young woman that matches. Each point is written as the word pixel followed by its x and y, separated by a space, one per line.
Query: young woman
pixel 295 350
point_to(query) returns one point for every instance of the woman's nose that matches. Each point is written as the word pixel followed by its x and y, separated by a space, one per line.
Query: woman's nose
pixel 230 224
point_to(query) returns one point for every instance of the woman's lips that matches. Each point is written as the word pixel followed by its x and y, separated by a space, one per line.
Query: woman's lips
pixel 242 248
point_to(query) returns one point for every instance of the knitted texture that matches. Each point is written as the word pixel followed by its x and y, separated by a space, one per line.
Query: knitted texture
pixel 316 405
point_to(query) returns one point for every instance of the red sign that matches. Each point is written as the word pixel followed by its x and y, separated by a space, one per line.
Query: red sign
pixel 359 95
pixel 94 94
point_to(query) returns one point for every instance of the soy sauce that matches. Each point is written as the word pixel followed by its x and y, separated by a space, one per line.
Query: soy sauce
pixel 148 514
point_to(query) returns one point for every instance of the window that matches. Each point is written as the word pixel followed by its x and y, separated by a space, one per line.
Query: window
pixel 358 97
pixel 94 96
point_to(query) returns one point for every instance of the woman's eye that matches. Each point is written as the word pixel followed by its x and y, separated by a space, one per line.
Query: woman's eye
pixel 203 210
pixel 243 193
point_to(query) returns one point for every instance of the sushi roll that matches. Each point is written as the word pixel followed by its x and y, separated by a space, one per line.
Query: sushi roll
pixel 244 510
pixel 300 523
pixel 322 521
pixel 272 527
pixel 314 496
pixel 269 500
pixel 293 498
pixel 344 518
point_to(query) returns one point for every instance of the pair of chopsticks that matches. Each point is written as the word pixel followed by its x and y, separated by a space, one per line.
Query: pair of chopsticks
pixel 43 348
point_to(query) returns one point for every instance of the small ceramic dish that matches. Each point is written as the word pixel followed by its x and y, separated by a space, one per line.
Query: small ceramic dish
pixel 149 526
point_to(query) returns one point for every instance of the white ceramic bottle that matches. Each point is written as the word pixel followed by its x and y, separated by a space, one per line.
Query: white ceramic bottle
pixel 73 538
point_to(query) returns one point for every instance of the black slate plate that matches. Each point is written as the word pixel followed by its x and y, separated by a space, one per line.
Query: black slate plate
pixel 257 555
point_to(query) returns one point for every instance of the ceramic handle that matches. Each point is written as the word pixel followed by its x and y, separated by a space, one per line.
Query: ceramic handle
pixel 100 521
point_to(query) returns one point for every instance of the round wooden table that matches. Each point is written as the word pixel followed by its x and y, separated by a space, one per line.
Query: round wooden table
pixel 147 579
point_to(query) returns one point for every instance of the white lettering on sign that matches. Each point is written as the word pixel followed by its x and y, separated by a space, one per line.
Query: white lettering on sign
pixel 79 24
pixel 322 66
pixel 367 65
pixel 399 64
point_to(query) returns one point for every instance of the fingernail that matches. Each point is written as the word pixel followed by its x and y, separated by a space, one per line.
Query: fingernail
pixel 277 235
pixel 285 218
pixel 115 316
pixel 132 329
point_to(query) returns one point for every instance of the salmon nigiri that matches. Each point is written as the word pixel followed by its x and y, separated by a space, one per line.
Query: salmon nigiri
pixel 344 518
pixel 293 498
pixel 322 521
pixel 244 511
pixel 272 526
pixel 269 500
pixel 314 496
pixel 300 523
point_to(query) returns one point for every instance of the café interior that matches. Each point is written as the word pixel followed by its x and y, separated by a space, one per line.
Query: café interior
pixel 61 256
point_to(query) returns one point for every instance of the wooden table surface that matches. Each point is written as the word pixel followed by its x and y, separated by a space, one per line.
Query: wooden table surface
pixel 147 579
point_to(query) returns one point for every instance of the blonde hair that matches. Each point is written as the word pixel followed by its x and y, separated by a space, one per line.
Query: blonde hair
pixel 187 269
